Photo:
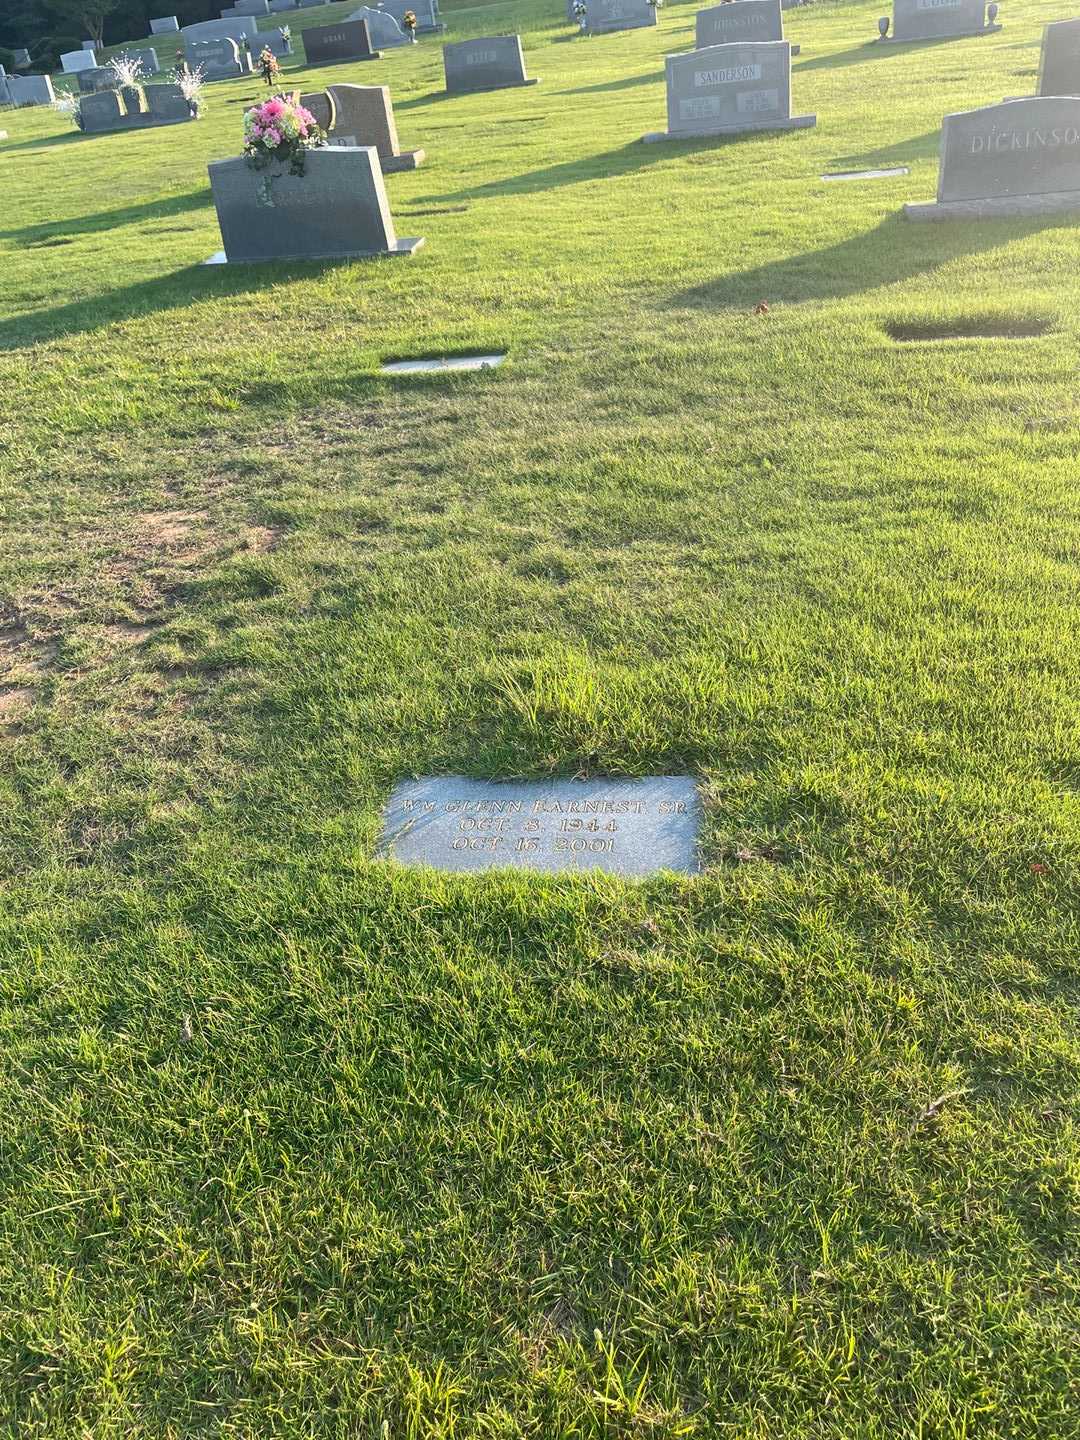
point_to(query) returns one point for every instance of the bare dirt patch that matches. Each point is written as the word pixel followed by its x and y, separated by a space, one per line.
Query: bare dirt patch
pixel 15 702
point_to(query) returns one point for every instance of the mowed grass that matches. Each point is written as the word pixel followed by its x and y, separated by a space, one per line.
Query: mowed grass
pixel 297 1143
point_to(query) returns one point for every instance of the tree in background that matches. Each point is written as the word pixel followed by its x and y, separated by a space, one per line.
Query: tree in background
pixel 88 15
pixel 47 27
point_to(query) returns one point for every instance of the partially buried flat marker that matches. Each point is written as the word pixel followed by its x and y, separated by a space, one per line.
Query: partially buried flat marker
pixel 626 827
pixel 445 362
pixel 868 174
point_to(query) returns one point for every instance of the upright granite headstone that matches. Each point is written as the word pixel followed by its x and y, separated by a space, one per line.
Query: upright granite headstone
pixel 336 210
pixel 727 89
pixel 76 60
pixel 604 16
pixel 426 12
pixel 251 7
pixel 89 44
pixel 363 115
pixel 30 90
pixel 146 56
pixel 626 827
pixel 1059 70
pixel 219 59
pixel 167 105
pixel 103 111
pixel 102 77
pixel 277 6
pixel 937 20
pixel 164 25
pixel 274 41
pixel 20 58
pixel 383 28
pixel 1021 157
pixel 741 20
pixel 237 27
pixel 327 44
pixel 495 62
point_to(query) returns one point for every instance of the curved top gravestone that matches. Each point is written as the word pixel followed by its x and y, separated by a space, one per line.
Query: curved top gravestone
pixel 383 28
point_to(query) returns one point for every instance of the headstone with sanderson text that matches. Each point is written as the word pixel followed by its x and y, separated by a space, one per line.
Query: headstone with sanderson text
pixel 625 827
pixel 1021 157
pixel 729 89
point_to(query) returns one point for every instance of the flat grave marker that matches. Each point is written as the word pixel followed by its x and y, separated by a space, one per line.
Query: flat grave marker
pixel 443 362
pixel 1021 157
pixel 886 174
pixel 624 827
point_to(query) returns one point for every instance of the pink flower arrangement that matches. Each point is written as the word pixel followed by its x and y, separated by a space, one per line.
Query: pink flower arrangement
pixel 280 129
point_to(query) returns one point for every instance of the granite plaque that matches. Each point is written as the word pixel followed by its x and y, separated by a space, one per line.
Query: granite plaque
pixel 1019 157
pixel 726 89
pixel 1059 72
pixel 626 827
pixel 604 16
pixel 938 19
pixel 741 20
pixel 326 44
pixel 493 62
pixel 336 210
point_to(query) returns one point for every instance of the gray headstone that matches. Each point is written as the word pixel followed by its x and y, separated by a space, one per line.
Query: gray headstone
pixel 365 115
pixel 30 90
pixel 938 19
pixel 383 28
pixel 336 209
pixel 220 59
pixel 626 827
pixel 1018 149
pixel 103 77
pixel 1059 72
pixel 426 12
pixel 350 40
pixel 493 62
pixel 147 57
pixel 277 6
pixel 103 111
pixel 89 44
pixel 166 104
pixel 739 20
pixel 251 7
pixel 603 16
pixel 75 60
pixel 272 40
pixel 21 58
pixel 235 28
pixel 164 25
pixel 726 89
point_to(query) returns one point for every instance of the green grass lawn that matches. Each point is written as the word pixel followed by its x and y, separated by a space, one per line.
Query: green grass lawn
pixel 296 1143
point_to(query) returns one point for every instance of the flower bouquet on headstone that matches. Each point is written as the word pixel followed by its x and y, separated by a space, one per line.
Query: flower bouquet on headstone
pixel 190 84
pixel 581 14
pixel 280 131
pixel 269 68
pixel 409 22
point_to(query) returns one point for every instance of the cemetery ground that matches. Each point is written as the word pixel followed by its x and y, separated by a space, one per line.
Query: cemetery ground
pixel 298 1143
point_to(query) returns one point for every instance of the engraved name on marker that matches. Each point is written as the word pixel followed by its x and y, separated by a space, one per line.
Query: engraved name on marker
pixel 626 827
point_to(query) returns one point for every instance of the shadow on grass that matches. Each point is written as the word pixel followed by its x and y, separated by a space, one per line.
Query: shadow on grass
pixel 626 83
pixel 871 50
pixel 895 251
pixel 176 291
pixel 612 163
pixel 45 142
pixel 916 147
pixel 161 209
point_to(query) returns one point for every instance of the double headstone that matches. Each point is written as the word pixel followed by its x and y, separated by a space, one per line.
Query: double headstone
pixel 75 60
pixel 164 25
pixel 134 108
pixel 494 62
pixel 219 59
pixel 1059 72
pixel 336 210
pixel 1021 157
pixel 382 27
pixel 938 20
pixel 603 16
pixel 741 20
pixel 728 89
pixel 362 115
pixel 327 44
